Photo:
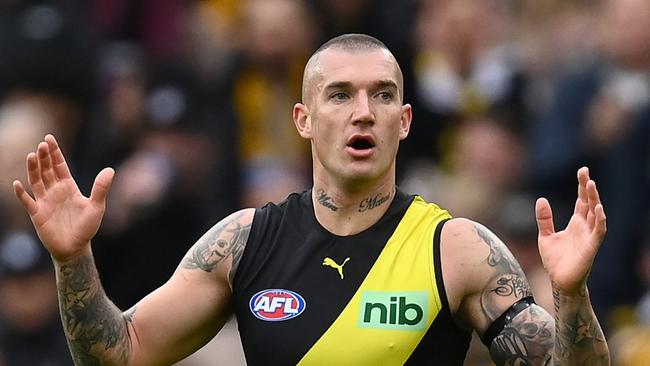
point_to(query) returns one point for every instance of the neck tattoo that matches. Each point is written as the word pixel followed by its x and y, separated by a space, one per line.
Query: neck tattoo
pixel 326 200
pixel 372 202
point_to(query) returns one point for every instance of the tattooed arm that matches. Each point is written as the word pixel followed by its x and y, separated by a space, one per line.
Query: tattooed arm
pixel 165 326
pixel 533 337
pixel 96 330
pixel 492 280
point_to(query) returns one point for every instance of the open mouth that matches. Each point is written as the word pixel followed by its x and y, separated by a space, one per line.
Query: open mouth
pixel 361 142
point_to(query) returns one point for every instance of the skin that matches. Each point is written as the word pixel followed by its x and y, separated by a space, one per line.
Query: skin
pixel 348 93
pixel 342 102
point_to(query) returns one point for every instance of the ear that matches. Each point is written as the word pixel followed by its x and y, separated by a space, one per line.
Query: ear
pixel 405 121
pixel 302 120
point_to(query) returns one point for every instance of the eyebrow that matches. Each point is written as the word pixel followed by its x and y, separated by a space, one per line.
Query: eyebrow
pixel 347 84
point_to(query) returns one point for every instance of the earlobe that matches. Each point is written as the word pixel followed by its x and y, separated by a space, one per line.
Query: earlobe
pixel 301 120
pixel 405 121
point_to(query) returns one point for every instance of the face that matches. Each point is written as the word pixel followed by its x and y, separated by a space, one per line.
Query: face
pixel 353 115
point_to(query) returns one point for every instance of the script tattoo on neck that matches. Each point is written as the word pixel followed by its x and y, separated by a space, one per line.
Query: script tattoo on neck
pixel 227 239
pixel 373 202
pixel 326 200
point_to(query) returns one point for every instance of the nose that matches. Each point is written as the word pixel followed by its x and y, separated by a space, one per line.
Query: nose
pixel 363 112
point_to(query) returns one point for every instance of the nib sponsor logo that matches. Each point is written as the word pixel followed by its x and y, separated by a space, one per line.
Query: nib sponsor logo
pixel 394 310
pixel 276 305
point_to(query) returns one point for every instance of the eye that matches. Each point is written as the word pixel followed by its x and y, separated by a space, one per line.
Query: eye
pixel 385 96
pixel 339 96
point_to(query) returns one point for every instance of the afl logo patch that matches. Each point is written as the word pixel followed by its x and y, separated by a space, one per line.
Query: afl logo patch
pixel 274 305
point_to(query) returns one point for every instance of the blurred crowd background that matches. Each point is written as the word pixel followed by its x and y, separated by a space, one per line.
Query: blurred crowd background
pixel 191 102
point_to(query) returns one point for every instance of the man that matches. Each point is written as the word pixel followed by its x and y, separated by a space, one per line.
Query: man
pixel 351 272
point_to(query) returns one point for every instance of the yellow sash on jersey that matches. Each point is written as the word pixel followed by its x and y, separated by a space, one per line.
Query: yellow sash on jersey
pixel 395 305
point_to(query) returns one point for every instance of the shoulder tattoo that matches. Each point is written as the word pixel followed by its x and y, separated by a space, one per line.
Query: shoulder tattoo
pixel 225 240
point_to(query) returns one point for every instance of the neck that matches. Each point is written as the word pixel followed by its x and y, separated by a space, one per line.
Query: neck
pixel 344 212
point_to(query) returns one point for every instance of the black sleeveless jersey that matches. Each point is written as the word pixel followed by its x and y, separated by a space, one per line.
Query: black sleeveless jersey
pixel 303 295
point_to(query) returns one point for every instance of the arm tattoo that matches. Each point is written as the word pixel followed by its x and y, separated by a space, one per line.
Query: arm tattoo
pixel 508 283
pixel 512 285
pixel 499 253
pixel 95 328
pixel 326 200
pixel 533 337
pixel 527 340
pixel 225 240
pixel 579 338
pixel 373 202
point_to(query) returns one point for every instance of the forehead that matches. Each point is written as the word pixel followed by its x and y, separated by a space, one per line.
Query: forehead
pixel 356 67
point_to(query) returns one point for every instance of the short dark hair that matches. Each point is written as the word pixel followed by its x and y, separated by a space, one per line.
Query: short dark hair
pixel 351 42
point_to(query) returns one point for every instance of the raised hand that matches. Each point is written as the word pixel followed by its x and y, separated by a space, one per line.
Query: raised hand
pixel 569 254
pixel 65 219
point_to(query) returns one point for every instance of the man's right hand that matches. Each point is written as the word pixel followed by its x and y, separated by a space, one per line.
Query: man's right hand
pixel 65 219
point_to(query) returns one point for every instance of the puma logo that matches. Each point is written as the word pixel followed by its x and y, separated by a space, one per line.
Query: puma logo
pixel 330 262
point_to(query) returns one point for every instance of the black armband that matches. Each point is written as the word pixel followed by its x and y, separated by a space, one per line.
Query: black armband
pixel 505 319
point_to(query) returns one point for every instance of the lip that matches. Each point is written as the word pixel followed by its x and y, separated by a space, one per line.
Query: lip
pixel 360 136
pixel 360 153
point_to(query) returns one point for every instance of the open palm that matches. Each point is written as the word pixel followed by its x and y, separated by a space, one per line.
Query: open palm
pixel 569 254
pixel 65 220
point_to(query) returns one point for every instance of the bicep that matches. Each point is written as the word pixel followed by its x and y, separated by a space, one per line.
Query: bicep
pixel 187 311
pixel 525 332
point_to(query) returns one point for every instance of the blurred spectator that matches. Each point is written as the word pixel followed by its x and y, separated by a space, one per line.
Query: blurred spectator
pixel 485 160
pixel 274 157
pixel 553 35
pixel 154 130
pixel 600 116
pixel 211 40
pixel 461 72
pixel 30 327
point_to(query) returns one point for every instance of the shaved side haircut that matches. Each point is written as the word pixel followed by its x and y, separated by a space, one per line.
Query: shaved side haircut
pixel 353 43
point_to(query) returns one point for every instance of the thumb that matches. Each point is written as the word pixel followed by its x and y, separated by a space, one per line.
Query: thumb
pixel 544 217
pixel 101 186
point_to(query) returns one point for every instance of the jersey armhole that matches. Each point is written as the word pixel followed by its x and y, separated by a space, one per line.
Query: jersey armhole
pixel 437 264
pixel 259 219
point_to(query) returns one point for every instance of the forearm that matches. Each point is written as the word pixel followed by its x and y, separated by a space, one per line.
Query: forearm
pixel 95 328
pixel 579 339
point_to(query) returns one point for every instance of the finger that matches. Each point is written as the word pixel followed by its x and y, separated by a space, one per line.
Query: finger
pixel 582 204
pixel 25 199
pixel 34 176
pixel 101 186
pixel 45 165
pixel 544 217
pixel 61 170
pixel 591 220
pixel 600 227
pixel 594 200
